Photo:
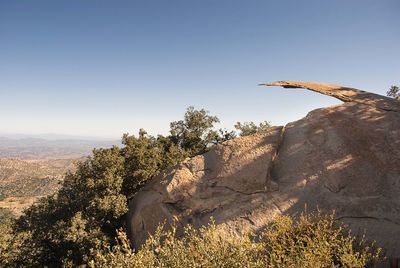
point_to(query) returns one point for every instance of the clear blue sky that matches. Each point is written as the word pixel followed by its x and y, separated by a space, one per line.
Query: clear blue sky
pixel 102 68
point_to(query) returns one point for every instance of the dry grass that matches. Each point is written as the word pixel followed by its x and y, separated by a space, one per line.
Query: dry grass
pixel 309 241
pixel 22 182
pixel 16 205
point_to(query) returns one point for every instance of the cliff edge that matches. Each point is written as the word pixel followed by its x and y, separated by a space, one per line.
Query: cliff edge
pixel 344 158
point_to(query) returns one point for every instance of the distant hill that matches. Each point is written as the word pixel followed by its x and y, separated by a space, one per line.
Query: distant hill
pixel 39 148
pixel 33 166
pixel 24 181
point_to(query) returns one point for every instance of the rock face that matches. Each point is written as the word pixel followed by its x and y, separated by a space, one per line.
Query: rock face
pixel 344 158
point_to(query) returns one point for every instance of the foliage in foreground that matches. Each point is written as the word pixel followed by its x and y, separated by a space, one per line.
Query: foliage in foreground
pixel 310 241
pixel 62 229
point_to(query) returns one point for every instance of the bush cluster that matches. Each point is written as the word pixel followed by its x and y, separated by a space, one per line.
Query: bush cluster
pixel 309 241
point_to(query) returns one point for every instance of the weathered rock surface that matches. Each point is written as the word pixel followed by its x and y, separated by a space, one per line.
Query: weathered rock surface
pixel 344 158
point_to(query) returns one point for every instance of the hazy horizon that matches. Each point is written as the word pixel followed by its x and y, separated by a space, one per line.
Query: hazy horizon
pixel 56 136
pixel 101 69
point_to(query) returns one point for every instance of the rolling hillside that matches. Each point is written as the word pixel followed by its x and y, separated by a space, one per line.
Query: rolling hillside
pixel 24 181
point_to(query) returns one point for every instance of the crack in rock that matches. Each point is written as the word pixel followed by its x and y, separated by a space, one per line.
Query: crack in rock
pixel 276 205
pixel 271 184
pixel 335 191
pixel 367 217
pixel 237 191
pixel 247 218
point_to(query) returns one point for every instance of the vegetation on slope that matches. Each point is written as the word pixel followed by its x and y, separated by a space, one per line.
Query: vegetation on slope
pixel 92 201
pixel 71 227
pixel 24 177
pixel 309 241
pixel 394 92
pixel 23 181
pixel 249 128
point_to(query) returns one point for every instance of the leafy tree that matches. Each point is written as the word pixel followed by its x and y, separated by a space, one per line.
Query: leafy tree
pixel 394 92
pixel 88 208
pixel 145 156
pixel 62 229
pixel 195 133
pixel 65 228
pixel 224 135
pixel 249 128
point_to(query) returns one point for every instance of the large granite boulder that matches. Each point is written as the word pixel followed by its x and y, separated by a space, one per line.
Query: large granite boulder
pixel 344 158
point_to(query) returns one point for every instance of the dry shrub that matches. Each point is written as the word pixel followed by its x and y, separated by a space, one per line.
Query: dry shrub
pixel 309 241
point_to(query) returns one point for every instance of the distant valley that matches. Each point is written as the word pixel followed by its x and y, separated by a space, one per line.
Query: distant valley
pixel 34 167
pixel 39 148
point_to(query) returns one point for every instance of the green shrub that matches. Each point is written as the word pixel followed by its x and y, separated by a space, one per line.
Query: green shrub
pixel 309 241
pixel 10 244
pixel 5 215
pixel 249 128
pixel 61 229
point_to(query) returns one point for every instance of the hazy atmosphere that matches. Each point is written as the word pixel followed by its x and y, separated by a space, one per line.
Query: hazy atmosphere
pixel 102 68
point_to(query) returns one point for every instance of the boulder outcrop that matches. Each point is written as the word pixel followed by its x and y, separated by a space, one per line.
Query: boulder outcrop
pixel 344 158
